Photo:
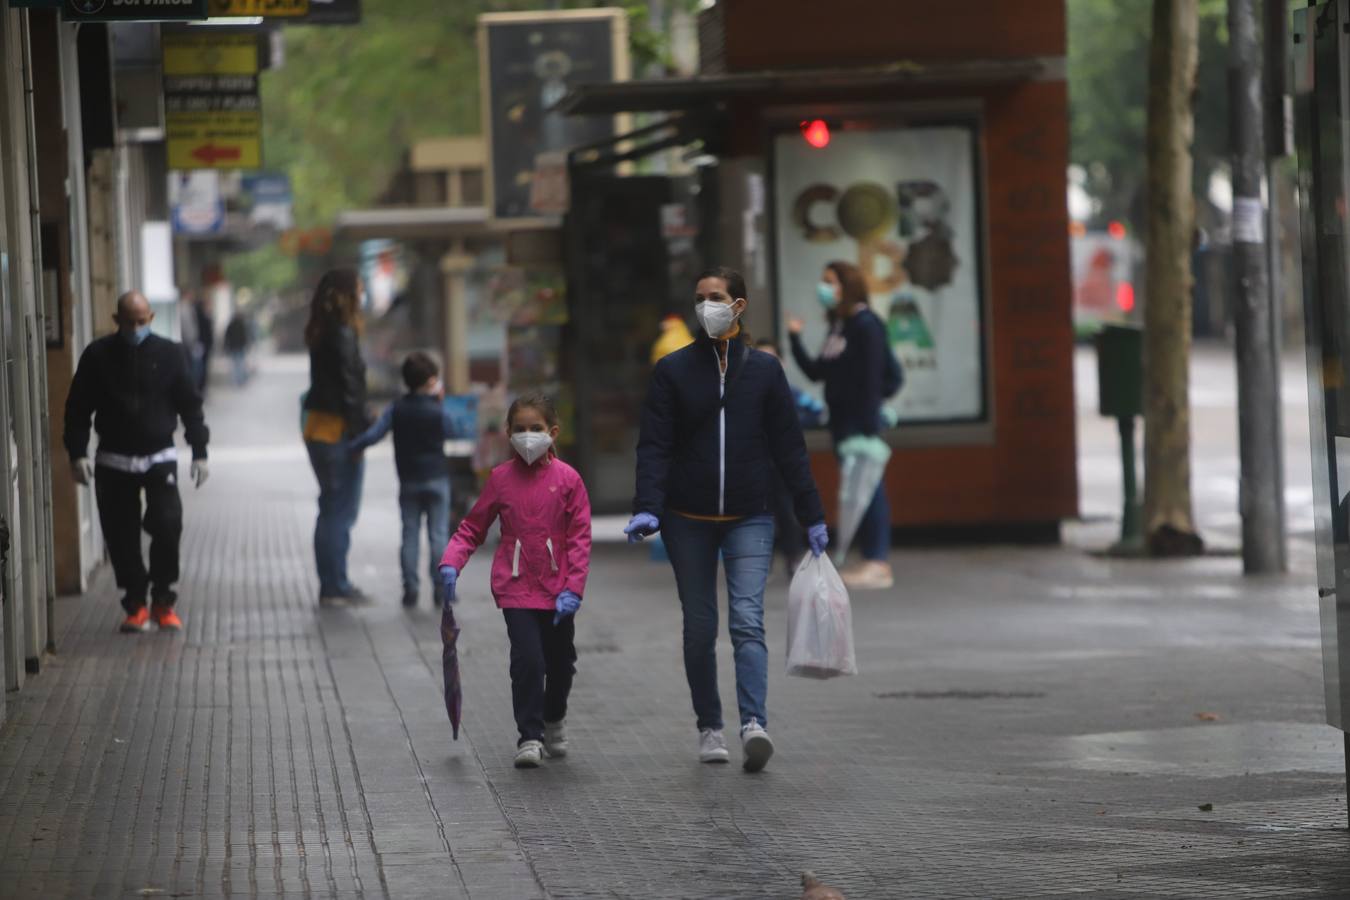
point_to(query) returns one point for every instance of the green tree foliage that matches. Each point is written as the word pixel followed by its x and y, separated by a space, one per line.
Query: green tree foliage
pixel 350 100
pixel 1108 98
pixel 266 270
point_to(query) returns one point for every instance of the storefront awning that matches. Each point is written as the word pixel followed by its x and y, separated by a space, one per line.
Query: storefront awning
pixel 429 222
pixel 707 91
pixel 412 222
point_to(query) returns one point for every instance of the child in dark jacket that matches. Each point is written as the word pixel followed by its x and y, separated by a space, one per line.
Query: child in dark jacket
pixel 421 426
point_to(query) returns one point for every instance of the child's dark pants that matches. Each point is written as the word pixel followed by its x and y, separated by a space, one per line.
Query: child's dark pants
pixel 543 661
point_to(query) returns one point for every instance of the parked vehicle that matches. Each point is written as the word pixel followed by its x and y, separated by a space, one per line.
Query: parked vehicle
pixel 1107 270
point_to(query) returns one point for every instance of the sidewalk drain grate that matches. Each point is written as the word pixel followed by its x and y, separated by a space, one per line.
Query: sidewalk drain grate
pixel 960 695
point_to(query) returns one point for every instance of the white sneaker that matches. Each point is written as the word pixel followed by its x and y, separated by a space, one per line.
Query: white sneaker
pixel 871 576
pixel 712 746
pixel 852 570
pixel 555 739
pixel 757 746
pixel 529 755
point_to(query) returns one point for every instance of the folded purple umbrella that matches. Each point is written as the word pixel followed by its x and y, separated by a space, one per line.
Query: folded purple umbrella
pixel 454 694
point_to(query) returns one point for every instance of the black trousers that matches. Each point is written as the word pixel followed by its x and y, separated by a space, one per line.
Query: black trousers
pixel 543 661
pixel 120 514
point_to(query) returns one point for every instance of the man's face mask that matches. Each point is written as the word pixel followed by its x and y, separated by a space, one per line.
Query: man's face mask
pixel 135 335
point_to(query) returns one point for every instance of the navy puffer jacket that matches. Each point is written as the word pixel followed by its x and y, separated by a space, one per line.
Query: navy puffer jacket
pixel 696 457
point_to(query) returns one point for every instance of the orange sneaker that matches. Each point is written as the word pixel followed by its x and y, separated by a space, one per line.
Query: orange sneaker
pixel 137 621
pixel 167 619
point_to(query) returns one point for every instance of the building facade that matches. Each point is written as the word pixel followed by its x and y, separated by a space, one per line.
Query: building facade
pixel 891 134
pixel 77 189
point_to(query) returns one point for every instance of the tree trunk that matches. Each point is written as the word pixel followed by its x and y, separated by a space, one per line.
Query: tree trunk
pixel 1168 519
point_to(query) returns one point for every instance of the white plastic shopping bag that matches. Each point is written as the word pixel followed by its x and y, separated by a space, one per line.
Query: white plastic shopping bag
pixel 820 622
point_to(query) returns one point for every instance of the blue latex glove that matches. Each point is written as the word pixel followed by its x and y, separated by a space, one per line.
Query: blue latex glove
pixel 568 603
pixel 641 526
pixel 818 536
pixel 449 575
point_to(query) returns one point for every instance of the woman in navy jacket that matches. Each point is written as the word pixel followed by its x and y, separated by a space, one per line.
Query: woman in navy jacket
pixel 719 415
pixel 853 364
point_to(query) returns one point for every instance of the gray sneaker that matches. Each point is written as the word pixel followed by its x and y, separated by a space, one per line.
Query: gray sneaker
pixel 529 755
pixel 358 597
pixel 555 739
pixel 712 746
pixel 757 746
pixel 352 598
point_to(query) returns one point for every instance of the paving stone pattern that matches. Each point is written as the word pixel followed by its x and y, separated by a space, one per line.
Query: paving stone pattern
pixel 1024 726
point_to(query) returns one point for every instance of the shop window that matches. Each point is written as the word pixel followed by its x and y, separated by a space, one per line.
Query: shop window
pixel 904 205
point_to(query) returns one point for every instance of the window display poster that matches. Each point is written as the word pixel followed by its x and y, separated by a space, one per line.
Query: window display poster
pixel 900 204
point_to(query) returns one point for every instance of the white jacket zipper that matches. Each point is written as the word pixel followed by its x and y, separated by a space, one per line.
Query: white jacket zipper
pixel 722 431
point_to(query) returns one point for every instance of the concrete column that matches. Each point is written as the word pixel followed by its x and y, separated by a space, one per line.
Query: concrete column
pixel 455 267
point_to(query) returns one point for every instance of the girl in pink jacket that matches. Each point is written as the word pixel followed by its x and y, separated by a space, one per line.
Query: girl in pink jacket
pixel 538 573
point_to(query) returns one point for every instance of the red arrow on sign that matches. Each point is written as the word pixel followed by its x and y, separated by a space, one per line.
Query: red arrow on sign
pixel 211 154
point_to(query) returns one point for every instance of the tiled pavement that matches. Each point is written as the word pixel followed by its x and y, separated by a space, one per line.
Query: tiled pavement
pixel 1025 725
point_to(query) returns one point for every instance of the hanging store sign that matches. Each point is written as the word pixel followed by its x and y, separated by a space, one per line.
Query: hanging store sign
pixel 212 113
pixel 331 12
pixel 196 53
pixel 195 202
pixel 528 61
pixel 134 10
pixel 215 140
pixel 267 199
pixel 264 8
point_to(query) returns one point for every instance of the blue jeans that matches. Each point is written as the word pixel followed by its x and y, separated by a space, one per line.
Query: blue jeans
pixel 340 476
pixel 746 546
pixel 874 532
pixel 239 367
pixel 418 500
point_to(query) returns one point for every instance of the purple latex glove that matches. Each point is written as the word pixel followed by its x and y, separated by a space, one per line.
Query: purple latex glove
pixel 641 526
pixel 449 575
pixel 567 604
pixel 818 536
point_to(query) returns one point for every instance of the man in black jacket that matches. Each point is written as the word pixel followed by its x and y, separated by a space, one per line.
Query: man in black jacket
pixel 137 386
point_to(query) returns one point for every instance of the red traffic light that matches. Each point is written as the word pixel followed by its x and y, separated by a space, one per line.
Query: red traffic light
pixel 817 133
pixel 1125 296
pixel 1116 230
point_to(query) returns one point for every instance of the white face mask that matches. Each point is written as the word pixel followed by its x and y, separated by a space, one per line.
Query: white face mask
pixel 716 318
pixel 531 445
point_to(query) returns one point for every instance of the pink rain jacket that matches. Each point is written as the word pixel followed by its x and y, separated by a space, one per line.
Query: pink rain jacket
pixel 546 533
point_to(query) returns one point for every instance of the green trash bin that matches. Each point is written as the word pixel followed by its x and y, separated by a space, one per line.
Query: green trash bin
pixel 1120 395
